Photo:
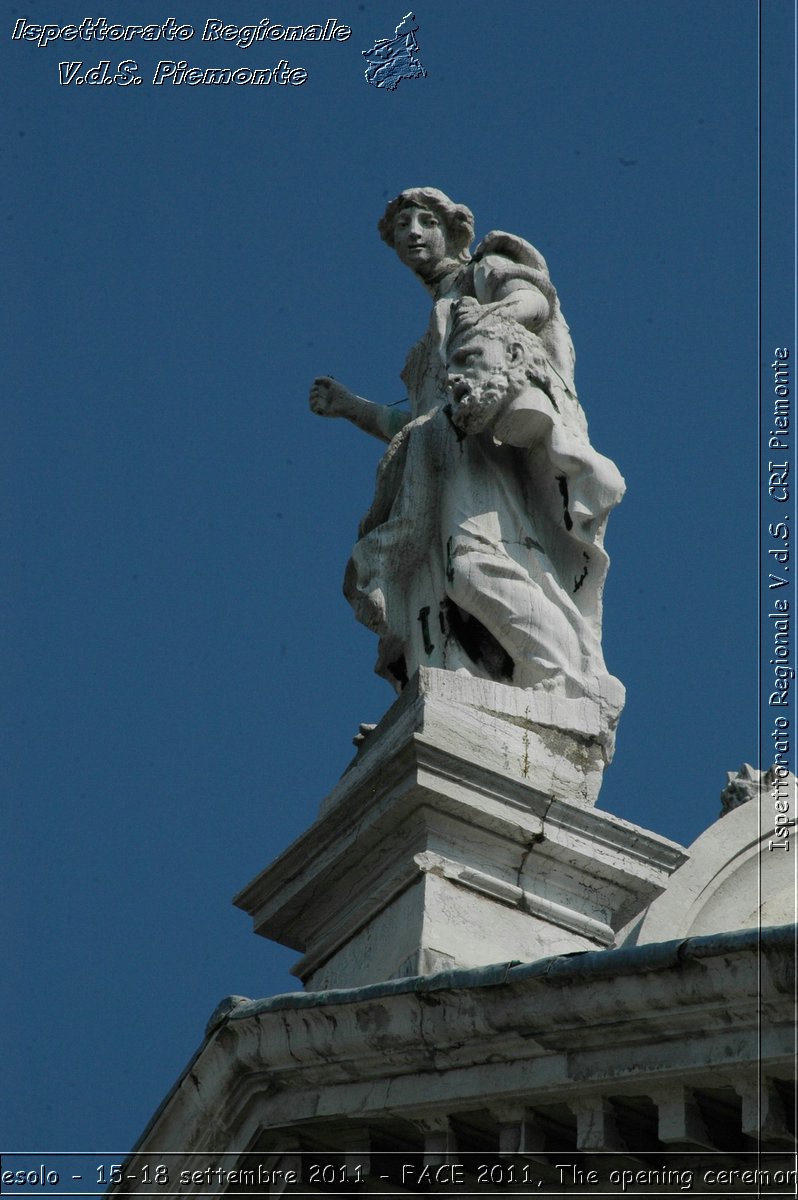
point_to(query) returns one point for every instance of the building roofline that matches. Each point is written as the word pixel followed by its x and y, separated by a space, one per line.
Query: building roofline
pixel 559 970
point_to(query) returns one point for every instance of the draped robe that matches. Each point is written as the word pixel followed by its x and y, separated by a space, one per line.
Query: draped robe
pixel 484 553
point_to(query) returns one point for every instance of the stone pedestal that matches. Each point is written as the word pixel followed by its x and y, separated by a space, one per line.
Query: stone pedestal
pixel 461 835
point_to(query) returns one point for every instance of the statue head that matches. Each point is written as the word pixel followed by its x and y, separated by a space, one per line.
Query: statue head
pixel 426 229
pixel 491 360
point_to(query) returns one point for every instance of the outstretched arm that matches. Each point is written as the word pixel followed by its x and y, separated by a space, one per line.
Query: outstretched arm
pixel 329 398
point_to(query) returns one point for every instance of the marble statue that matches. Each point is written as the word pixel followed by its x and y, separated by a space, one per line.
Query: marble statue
pixel 482 552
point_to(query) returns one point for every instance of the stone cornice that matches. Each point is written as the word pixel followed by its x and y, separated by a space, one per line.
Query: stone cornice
pixel 677 1011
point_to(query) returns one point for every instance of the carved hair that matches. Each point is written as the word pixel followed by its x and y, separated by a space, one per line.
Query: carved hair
pixel 469 317
pixel 457 220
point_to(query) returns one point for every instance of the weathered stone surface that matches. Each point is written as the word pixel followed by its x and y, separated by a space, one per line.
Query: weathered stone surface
pixel 483 550
pixel 556 744
pixel 592 1035
pixel 444 846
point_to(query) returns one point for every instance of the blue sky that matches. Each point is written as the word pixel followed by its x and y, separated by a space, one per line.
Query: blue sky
pixel 184 676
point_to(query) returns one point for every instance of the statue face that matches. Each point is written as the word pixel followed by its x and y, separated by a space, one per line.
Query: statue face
pixel 419 239
pixel 480 380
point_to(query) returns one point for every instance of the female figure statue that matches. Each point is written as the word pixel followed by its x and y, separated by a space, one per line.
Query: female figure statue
pixel 483 549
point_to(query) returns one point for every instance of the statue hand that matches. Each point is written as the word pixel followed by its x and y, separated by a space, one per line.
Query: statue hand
pixel 469 304
pixel 329 398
